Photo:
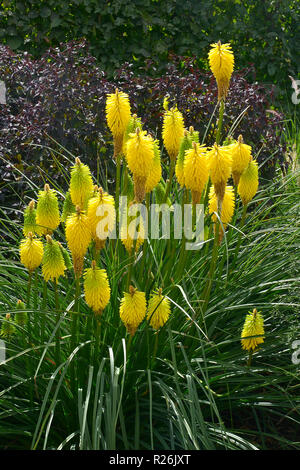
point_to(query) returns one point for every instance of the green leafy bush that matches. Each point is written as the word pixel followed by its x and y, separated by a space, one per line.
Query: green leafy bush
pixel 263 33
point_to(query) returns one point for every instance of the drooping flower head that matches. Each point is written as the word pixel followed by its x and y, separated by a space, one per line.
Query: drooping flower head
pixel 79 236
pixel 96 288
pixel 101 216
pixel 117 116
pixel 221 62
pixel 133 309
pixel 81 184
pixel 219 163
pixel 196 170
pixel 47 211
pixel 248 183
pixel 155 173
pixel 53 265
pixel 158 310
pixel 241 157
pixel 253 331
pixel 140 158
pixel 31 252
pixel 172 133
pixel 30 220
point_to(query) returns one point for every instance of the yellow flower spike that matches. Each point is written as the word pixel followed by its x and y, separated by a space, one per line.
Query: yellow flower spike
pixel 155 173
pixel 53 262
pixel 221 62
pixel 248 184
pixel 185 144
pixel 134 123
pixel 30 220
pixel 172 133
pixel 126 235
pixel 133 309
pixel 96 288
pixel 241 156
pixel 140 158
pixel 253 326
pixel 219 163
pixel 47 211
pixel 31 252
pixel 7 328
pixel 158 310
pixel 227 205
pixel 196 170
pixel 117 116
pixel 79 236
pixel 81 184
pixel 101 198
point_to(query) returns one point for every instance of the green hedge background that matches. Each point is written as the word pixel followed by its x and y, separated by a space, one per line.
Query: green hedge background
pixel 262 32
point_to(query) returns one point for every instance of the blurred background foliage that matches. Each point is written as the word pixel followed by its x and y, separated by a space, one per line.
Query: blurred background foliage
pixel 263 33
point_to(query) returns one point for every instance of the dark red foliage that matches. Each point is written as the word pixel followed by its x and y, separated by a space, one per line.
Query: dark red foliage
pixel 62 96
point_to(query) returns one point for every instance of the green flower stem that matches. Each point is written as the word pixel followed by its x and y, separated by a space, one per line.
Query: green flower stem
pixel 250 358
pixel 155 349
pixel 118 179
pixel 57 334
pixel 214 257
pixel 44 303
pixel 97 339
pixel 169 184
pixel 220 121
pixel 28 304
pixel 213 264
pixel 238 245
pixel 130 269
pixel 74 332
pixel 145 244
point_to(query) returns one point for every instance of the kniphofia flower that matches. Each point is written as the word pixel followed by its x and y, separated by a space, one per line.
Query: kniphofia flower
pixel 195 170
pixel 241 157
pixel 140 159
pixel 133 309
pixel 53 265
pixel 79 236
pixel 253 331
pixel 155 173
pixel 227 205
pixel 30 220
pixel 47 211
pixel 248 184
pixel 96 288
pixel 31 252
pixel 172 133
pixel 68 207
pixel 101 217
pixel 158 310
pixel 81 184
pixel 219 163
pixel 221 62
pixel 117 116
